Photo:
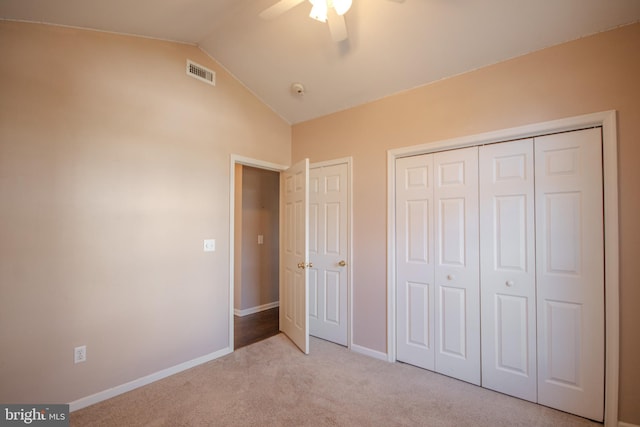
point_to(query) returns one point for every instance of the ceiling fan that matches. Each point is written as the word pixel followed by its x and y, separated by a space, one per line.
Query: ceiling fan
pixel 329 11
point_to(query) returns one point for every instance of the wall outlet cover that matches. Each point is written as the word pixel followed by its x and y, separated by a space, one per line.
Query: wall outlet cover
pixel 80 354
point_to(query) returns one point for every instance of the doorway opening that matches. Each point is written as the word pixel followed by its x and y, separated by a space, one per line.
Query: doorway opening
pixel 242 237
pixel 254 292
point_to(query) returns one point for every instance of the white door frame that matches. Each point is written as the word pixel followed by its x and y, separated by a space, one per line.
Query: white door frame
pixel 608 121
pixel 245 161
pixel 349 162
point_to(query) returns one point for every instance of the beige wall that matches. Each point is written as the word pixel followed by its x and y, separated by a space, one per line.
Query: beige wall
pixel 593 74
pixel 114 166
pixel 260 207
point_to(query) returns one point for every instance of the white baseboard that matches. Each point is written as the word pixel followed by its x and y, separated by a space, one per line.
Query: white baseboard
pixel 368 352
pixel 257 309
pixel 623 424
pixel 123 388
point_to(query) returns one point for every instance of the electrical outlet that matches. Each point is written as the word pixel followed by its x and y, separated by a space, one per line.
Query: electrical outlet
pixel 80 354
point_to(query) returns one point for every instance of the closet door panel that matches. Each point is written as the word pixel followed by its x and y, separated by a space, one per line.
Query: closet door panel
pixel 415 261
pixel 452 232
pixel 457 292
pixel 507 259
pixel 570 272
pixel 453 323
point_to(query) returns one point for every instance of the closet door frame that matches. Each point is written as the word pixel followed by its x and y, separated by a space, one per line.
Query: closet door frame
pixel 607 120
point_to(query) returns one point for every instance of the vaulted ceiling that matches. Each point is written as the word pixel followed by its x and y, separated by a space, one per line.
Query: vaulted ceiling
pixel 393 45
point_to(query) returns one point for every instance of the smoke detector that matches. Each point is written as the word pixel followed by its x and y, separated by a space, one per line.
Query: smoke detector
pixel 297 89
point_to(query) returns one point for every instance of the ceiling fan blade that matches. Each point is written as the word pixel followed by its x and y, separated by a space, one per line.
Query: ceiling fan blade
pixel 279 8
pixel 337 26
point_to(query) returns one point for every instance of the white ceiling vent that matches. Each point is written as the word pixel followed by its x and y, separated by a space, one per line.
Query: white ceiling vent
pixel 201 73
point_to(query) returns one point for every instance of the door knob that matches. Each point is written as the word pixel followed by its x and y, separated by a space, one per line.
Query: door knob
pixel 301 265
pixel 450 277
pixel 310 265
pixel 342 263
pixel 509 283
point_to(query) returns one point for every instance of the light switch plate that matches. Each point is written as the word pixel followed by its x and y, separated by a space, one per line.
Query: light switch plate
pixel 209 245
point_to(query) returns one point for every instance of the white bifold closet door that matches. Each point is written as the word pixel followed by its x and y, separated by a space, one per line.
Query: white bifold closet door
pixel 528 215
pixel 543 313
pixel 457 280
pixel 570 272
pixel 438 297
pixel 415 265
pixel 508 281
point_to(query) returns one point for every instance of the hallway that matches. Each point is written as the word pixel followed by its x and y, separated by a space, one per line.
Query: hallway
pixel 255 327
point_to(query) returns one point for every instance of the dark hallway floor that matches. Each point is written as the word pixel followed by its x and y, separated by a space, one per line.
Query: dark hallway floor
pixel 255 327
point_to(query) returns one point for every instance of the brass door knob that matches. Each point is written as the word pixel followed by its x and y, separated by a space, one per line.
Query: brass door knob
pixel 342 263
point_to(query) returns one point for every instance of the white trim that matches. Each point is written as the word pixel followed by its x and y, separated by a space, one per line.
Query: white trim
pixel 256 309
pixel 391 256
pixel 261 164
pixel 606 119
pixel 349 163
pixel 520 132
pixel 612 267
pixel 369 352
pixel 95 30
pixel 247 161
pixel 132 385
pixel 350 259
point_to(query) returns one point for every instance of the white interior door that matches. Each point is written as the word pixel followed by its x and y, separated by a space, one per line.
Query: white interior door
pixel 415 261
pixel 328 252
pixel 457 276
pixel 570 272
pixel 507 257
pixel 294 254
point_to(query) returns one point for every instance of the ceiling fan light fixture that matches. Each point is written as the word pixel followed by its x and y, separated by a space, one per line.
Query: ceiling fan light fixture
pixel 342 6
pixel 318 10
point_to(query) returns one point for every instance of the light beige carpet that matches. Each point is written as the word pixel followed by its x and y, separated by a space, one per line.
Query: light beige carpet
pixel 271 383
